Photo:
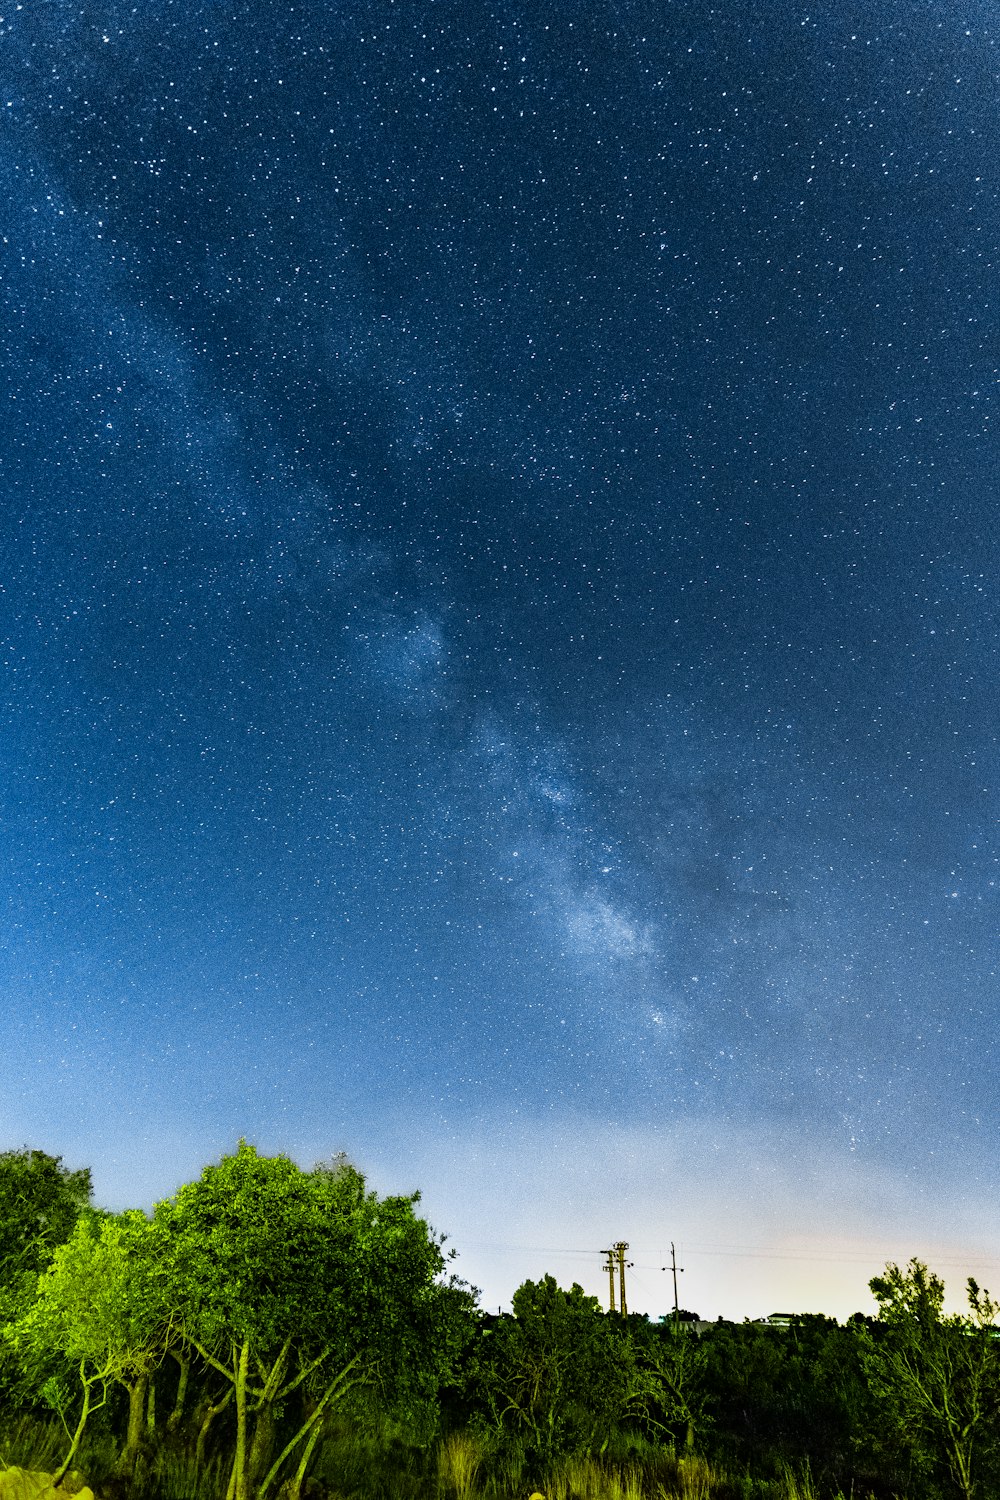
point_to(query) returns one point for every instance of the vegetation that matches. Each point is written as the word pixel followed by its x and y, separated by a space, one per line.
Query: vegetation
pixel 40 1201
pixel 271 1333
pixel 936 1377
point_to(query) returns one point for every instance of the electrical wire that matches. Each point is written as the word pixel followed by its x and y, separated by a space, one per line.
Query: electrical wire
pixel 853 1257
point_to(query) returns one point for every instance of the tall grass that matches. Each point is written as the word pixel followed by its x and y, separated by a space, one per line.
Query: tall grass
pixel 376 1463
pixel 177 1476
pixel 798 1486
pixel 587 1479
pixel 354 1464
pixel 40 1443
pixel 459 1459
pixel 695 1478
pixel 659 1474
pixel 31 1443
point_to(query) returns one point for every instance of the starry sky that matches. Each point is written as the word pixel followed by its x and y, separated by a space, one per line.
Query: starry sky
pixel 498 609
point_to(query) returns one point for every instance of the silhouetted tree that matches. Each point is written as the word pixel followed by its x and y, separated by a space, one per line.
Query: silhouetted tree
pixel 936 1377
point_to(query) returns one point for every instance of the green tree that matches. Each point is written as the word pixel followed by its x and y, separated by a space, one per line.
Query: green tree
pixel 669 1392
pixel 560 1375
pixel 786 1397
pixel 299 1287
pixel 101 1307
pixel 937 1377
pixel 40 1201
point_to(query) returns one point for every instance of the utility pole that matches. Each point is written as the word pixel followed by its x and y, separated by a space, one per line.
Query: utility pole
pixel 675 1268
pixel 610 1268
pixel 620 1249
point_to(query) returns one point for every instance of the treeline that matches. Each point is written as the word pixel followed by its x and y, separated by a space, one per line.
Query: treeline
pixel 275 1332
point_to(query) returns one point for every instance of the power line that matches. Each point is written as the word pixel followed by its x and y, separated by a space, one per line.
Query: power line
pixel 854 1257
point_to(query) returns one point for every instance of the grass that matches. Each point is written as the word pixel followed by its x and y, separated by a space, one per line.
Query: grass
pixel 381 1465
pixel 459 1459
pixel 28 1443
pixel 39 1443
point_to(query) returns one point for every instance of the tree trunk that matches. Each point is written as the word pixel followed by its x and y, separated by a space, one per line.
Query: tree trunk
pixel 240 1460
pixel 136 1415
pixel 261 1445
pixel 174 1419
pixel 962 1468
pixel 63 1468
pixel 295 1485
pixel 310 1429
pixel 211 1412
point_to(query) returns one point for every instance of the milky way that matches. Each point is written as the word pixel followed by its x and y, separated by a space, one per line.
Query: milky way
pixel 499 600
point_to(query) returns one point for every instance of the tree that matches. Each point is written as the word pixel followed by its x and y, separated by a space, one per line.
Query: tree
pixel 560 1374
pixel 670 1390
pixel 101 1306
pixel 936 1376
pixel 40 1201
pixel 298 1287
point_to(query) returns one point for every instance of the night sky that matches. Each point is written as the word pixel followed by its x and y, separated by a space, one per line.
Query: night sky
pixel 499 619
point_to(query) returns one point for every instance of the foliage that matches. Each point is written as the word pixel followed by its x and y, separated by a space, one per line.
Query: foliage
pixel 785 1396
pixel 273 1332
pixel 669 1392
pixel 40 1201
pixel 460 1457
pixel 101 1308
pixel 300 1287
pixel 560 1375
pixel 937 1377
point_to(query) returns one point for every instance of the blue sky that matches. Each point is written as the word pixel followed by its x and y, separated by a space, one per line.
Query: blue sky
pixel 499 621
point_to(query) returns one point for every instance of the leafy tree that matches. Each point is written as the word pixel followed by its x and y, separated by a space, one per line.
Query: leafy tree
pixel 101 1306
pixel 299 1287
pixel 785 1396
pixel 40 1201
pixel 669 1393
pixel 560 1375
pixel 838 1403
pixel 747 1382
pixel 936 1377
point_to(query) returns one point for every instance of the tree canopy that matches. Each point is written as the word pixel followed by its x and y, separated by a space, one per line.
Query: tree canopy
pixel 268 1317
pixel 285 1280
pixel 40 1201
pixel 937 1376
